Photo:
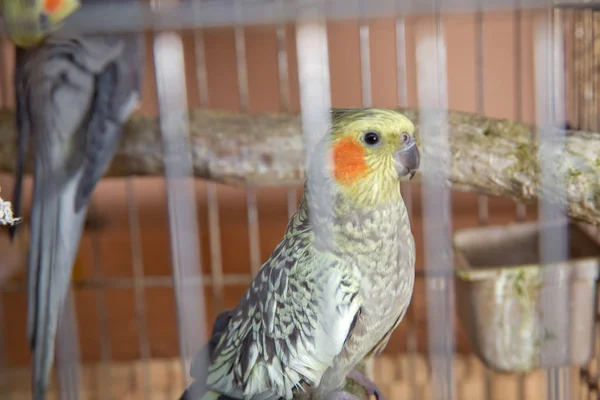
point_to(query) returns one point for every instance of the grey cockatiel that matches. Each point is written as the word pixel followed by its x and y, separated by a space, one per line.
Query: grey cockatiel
pixel 73 94
pixel 339 282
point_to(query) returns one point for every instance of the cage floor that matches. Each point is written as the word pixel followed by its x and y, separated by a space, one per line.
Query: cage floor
pixel 400 377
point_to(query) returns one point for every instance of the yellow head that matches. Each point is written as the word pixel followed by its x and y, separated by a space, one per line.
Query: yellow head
pixel 29 21
pixel 372 149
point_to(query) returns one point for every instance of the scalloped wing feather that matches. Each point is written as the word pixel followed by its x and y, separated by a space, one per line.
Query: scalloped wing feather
pixel 283 337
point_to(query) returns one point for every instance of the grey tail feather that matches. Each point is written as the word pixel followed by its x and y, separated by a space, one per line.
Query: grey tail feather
pixel 22 143
pixel 55 236
pixel 23 132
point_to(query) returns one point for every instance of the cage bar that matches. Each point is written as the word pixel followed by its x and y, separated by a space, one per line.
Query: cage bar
pixel 284 94
pixel 139 281
pixel 251 202
pixel 549 55
pixel 521 209
pixel 212 199
pixel 365 64
pixel 216 260
pixel 406 191
pixel 433 103
pixel 482 200
pixel 400 34
pixel 170 77
pixel 101 310
pixel 125 17
pixel 315 104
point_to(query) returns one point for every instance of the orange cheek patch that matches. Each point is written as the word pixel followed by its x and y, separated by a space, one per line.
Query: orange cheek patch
pixel 52 5
pixel 348 161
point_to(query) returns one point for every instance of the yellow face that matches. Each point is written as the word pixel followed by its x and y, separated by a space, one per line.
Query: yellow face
pixel 372 149
pixel 372 141
pixel 29 21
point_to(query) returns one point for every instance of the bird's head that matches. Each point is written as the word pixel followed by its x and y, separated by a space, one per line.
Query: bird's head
pixel 28 22
pixel 371 151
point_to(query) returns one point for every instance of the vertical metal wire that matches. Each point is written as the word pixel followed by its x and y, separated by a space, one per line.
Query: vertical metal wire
pixel 214 232
pixel 212 199
pixel 575 52
pixel 553 240
pixel 590 67
pixel 240 53
pixel 315 103
pixel 367 101
pixel 585 53
pixel 365 64
pixel 594 108
pixel 521 209
pixel 253 230
pixel 400 30
pixel 591 112
pixel 139 282
pixel 292 201
pixel 282 63
pixel 68 358
pixel 406 190
pixel 102 312
pixel 482 205
pixel 284 95
pixel 183 221
pixel 313 74
pixel 437 233
pixel 251 202
pixel 568 35
pixel 482 200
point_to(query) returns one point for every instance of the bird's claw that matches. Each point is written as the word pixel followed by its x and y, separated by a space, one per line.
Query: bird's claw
pixel 367 383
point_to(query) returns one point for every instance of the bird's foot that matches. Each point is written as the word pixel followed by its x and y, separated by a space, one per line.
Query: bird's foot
pixel 367 383
pixel 341 395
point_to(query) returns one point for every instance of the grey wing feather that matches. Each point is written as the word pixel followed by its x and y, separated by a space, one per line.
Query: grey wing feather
pixel 24 132
pixel 65 103
pixel 118 88
pixel 283 336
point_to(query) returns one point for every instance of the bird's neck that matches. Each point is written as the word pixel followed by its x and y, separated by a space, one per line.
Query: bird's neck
pixel 341 221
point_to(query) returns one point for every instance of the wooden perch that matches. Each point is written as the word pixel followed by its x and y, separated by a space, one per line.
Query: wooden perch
pixel 490 156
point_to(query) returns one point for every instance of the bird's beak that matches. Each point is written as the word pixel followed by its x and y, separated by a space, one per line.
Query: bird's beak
pixel 406 161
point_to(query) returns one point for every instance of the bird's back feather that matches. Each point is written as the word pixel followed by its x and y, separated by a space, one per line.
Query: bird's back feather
pixel 71 89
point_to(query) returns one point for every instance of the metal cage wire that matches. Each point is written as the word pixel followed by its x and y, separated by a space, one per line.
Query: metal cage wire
pixel 311 19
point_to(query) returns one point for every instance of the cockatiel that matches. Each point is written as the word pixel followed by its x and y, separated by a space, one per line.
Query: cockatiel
pixel 29 21
pixel 320 304
pixel 73 92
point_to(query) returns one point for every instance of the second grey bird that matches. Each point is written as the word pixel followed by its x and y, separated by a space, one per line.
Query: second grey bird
pixel 74 92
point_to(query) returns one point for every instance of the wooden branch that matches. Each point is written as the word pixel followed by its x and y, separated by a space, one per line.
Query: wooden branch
pixel 490 156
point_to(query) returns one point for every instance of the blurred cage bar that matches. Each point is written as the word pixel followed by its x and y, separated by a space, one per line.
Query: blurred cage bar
pixel 139 328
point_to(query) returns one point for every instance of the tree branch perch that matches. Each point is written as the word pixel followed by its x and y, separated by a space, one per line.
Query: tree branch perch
pixel 489 156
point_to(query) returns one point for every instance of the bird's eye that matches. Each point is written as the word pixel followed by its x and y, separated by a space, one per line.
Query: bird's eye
pixel 405 137
pixel 371 138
